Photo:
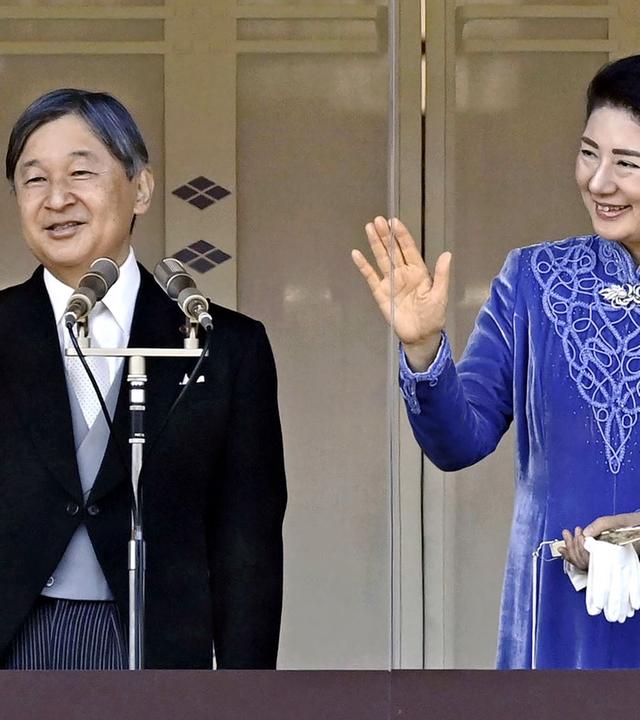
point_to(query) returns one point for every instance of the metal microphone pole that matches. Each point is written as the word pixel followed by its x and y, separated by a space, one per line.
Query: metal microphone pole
pixel 137 379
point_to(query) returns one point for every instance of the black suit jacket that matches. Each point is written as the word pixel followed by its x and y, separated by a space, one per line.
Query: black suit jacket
pixel 214 485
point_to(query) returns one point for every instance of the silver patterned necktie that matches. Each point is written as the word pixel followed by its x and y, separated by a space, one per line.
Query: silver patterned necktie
pixel 78 379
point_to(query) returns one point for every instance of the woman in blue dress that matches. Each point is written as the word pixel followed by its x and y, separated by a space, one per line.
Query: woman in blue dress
pixel 555 351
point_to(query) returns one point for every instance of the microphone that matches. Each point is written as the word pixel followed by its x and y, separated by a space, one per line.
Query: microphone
pixel 173 278
pixel 93 286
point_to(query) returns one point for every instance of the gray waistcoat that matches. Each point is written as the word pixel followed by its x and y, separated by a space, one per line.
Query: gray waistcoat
pixel 79 575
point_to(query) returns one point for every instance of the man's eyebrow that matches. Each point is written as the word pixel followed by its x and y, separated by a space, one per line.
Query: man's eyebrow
pixel 28 164
pixel 84 154
pixel 73 154
pixel 589 141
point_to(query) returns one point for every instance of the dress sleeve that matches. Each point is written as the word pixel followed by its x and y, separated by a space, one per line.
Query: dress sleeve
pixel 459 412
pixel 409 379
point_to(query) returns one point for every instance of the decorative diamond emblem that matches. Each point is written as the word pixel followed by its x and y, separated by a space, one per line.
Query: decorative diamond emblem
pixel 202 256
pixel 201 192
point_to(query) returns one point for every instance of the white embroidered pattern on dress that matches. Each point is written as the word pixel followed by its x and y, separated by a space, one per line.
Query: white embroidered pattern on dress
pixel 598 320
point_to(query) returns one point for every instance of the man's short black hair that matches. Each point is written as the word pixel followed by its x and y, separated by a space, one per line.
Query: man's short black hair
pixel 616 85
pixel 107 117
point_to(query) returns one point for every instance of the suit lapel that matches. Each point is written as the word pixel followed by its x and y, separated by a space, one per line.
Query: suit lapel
pixel 34 372
pixel 156 323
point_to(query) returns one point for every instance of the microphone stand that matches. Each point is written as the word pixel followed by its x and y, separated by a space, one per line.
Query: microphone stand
pixel 137 379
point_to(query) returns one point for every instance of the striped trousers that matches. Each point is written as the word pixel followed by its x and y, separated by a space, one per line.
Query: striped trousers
pixel 69 635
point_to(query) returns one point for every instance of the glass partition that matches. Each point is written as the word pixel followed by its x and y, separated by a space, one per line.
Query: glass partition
pixel 267 125
pixel 276 130
pixel 504 88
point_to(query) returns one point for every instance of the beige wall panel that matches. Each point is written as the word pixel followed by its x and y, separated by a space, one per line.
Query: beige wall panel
pixel 84 3
pixel 136 81
pixel 200 76
pixel 17 30
pixel 311 171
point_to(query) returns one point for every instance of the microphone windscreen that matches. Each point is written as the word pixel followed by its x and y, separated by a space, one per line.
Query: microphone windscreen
pixel 107 268
pixel 172 276
pixel 101 275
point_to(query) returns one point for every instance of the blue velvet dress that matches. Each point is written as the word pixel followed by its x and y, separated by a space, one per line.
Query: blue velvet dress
pixel 553 353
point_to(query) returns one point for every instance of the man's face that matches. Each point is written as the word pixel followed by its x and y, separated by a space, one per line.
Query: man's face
pixel 75 200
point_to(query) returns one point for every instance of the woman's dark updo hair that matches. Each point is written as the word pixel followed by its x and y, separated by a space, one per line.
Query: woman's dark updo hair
pixel 617 85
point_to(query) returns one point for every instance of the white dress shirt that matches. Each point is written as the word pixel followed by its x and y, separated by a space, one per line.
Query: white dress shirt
pixel 106 329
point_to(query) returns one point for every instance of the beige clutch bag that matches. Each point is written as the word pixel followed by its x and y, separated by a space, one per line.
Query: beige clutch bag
pixel 620 536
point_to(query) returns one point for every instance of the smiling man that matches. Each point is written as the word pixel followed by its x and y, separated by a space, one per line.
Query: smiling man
pixel 76 199
pixel 214 483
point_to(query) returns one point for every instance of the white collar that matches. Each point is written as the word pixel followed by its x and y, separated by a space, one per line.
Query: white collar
pixel 120 299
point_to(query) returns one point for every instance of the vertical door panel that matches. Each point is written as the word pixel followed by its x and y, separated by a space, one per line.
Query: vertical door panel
pixel 312 135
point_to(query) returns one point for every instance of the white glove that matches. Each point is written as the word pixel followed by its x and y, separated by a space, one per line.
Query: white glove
pixel 598 575
pixel 613 580
pixel 634 579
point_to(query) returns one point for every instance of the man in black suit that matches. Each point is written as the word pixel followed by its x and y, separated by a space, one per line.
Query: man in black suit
pixel 214 482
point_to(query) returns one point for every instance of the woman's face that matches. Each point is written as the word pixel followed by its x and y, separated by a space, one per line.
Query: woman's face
pixel 608 175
